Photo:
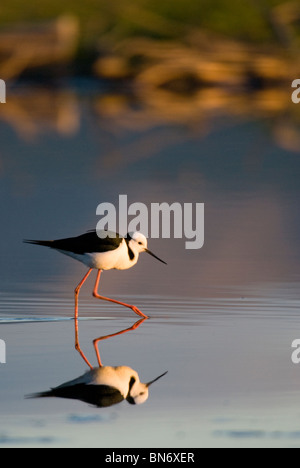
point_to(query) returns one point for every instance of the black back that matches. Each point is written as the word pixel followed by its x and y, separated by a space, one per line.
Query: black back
pixel 100 396
pixel 87 243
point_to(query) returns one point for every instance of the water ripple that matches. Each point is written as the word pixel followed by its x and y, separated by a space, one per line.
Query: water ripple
pixel 41 308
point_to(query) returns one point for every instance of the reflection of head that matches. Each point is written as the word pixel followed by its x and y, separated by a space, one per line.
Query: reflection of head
pixel 103 387
pixel 138 391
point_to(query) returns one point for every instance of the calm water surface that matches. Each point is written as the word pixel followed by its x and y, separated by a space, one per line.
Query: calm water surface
pixel 222 318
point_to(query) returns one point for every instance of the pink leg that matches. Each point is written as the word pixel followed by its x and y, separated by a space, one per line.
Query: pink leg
pixel 134 327
pixel 77 346
pixel 133 308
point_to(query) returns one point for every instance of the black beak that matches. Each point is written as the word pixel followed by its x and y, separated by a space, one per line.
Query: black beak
pixel 155 380
pixel 152 255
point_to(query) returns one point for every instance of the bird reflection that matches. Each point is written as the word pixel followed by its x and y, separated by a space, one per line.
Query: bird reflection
pixel 104 386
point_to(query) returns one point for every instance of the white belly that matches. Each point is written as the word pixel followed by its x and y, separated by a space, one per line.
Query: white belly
pixel 113 260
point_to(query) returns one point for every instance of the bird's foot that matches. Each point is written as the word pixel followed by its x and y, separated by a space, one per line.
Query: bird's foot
pixel 138 312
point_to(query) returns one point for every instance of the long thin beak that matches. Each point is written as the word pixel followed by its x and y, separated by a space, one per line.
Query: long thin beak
pixel 155 380
pixel 152 255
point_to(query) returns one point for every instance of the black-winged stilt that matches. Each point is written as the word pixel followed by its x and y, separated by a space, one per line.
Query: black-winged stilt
pixel 105 385
pixel 102 253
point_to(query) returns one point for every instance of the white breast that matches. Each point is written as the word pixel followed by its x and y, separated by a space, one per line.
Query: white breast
pixel 116 377
pixel 117 259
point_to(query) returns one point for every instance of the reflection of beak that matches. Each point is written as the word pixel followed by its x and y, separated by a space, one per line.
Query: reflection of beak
pixel 155 380
pixel 152 255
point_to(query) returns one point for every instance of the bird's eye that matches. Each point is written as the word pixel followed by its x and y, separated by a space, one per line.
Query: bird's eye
pixel 140 243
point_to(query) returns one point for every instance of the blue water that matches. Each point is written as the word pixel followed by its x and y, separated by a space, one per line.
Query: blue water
pixel 222 319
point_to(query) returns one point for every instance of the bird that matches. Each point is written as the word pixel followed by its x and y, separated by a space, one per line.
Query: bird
pixel 103 387
pixel 102 251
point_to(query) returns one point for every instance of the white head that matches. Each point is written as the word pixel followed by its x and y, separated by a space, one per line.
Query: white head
pixel 138 391
pixel 138 244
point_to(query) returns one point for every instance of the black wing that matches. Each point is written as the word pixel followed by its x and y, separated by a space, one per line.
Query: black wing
pixel 87 243
pixel 100 396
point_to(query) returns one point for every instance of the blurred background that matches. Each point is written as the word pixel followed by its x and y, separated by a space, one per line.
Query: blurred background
pixel 150 63
pixel 164 101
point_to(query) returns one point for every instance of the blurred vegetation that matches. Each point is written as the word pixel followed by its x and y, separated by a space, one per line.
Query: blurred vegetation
pixel 248 20
pixel 182 61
